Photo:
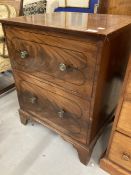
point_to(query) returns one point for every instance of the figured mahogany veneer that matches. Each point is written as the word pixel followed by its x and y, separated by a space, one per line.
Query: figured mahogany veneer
pixel 45 64
pixel 68 69
pixel 42 100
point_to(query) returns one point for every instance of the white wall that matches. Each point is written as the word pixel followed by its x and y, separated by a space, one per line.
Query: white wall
pixel 74 3
pixel 51 5
pixel 29 1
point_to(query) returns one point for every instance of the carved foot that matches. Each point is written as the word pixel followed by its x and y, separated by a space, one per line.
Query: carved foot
pixel 83 153
pixel 23 117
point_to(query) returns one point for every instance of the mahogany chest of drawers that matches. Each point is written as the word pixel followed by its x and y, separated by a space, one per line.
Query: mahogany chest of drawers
pixel 117 160
pixel 68 68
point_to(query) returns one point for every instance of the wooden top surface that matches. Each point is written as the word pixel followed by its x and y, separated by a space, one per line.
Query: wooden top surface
pixel 96 24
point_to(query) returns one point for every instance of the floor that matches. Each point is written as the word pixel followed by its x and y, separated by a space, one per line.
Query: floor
pixel 36 150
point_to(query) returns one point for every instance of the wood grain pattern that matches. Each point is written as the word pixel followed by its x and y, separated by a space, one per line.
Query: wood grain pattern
pixel 44 61
pixel 85 25
pixel 78 102
pixel 120 151
pixel 112 168
pixel 128 87
pixel 46 102
pixel 117 159
pixel 124 122
pixel 59 40
pixel 114 66
pixel 118 7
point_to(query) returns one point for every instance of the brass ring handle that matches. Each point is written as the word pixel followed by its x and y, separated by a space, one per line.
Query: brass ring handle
pixel 61 113
pixel 24 54
pixel 126 157
pixel 62 67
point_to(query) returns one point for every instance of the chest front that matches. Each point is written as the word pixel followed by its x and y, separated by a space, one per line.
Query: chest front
pixel 67 81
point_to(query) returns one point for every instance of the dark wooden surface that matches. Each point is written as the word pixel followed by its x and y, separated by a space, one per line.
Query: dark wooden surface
pixel 117 159
pixel 76 102
pixel 67 112
pixel 120 151
pixel 117 7
pixel 79 61
pixel 74 23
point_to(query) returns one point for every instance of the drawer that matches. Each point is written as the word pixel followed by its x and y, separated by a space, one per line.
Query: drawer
pixel 72 70
pixel 120 151
pixel 60 40
pixel 124 121
pixel 67 113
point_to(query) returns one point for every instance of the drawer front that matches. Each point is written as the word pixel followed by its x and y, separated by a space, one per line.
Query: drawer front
pixel 124 121
pixel 120 151
pixel 67 66
pixel 53 39
pixel 65 112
